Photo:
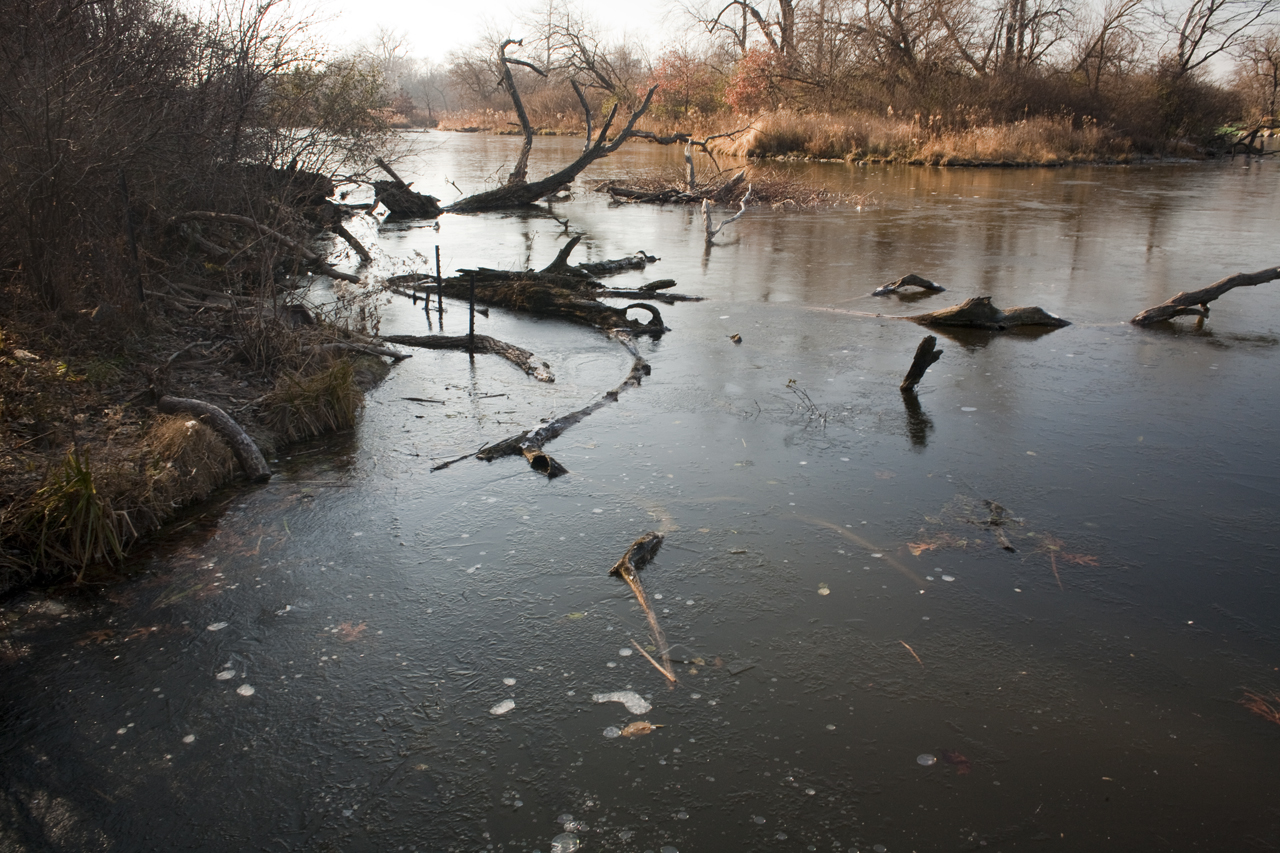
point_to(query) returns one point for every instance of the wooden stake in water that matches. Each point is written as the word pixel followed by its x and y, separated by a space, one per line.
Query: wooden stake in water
pixel 471 335
pixel 439 291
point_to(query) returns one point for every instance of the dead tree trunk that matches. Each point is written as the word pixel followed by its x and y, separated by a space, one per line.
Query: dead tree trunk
pixel 1196 303
pixel 401 201
pixel 521 193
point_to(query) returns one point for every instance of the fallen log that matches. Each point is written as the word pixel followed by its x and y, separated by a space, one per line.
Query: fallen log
pixel 367 349
pixel 908 280
pixel 927 354
pixel 521 358
pixel 979 313
pixel 250 457
pixel 401 201
pixel 639 555
pixel 1196 303
pixel 529 443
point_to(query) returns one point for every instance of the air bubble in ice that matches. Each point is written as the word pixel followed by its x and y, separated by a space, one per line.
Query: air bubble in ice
pixel 510 682
pixel 926 760
pixel 757 818
pixel 612 732
pixel 217 626
pixel 629 698
pixel 626 653
pixel 565 842
pixel 879 848
pixel 948 578
pixel 502 707
pixel 246 690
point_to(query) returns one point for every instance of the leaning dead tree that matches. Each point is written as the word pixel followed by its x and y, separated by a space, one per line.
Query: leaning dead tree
pixel 706 216
pixel 1196 303
pixel 979 313
pixel 518 191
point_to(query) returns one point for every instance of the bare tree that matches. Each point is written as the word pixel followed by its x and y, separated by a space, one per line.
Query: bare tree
pixel 1259 71
pixel 1207 29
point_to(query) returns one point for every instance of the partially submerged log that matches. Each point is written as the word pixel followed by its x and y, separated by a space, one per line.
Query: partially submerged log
pixel 521 358
pixel 1196 303
pixel 250 457
pixel 400 200
pixel 979 313
pixel 560 290
pixel 927 354
pixel 529 443
pixel 908 280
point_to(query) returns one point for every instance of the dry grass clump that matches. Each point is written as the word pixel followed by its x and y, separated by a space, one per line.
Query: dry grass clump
pixel 188 461
pixel 1265 706
pixel 306 405
pixel 964 140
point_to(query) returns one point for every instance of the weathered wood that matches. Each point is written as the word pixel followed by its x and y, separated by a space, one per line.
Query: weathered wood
pixel 367 349
pixel 529 443
pixel 250 457
pixel 639 555
pixel 908 280
pixel 927 355
pixel 706 216
pixel 521 358
pixel 1196 303
pixel 979 313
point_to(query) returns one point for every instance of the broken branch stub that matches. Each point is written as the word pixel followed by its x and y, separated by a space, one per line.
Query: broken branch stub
pixel 706 216
pixel 979 313
pixel 639 555
pixel 927 354
pixel 1196 303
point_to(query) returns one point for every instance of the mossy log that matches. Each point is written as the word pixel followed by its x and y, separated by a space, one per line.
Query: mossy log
pixel 979 313
pixel 1196 303
pixel 521 358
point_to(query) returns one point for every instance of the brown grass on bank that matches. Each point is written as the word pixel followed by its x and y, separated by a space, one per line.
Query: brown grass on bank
pixel 1037 140
pixel 306 405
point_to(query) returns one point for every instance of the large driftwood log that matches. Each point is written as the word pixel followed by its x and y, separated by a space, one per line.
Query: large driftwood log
pixel 521 358
pixel 927 355
pixel 250 457
pixel 529 443
pixel 908 280
pixel 979 313
pixel 1196 303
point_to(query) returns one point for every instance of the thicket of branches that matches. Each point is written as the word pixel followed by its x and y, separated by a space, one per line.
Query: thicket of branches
pixel 1159 72
pixel 117 115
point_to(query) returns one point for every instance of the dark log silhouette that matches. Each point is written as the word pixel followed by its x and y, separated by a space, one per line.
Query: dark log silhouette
pixel 979 313
pixel 908 280
pixel 1196 303
pixel 223 255
pixel 401 201
pixel 927 355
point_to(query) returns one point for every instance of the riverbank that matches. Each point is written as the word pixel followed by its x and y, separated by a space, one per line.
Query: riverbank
pixel 89 466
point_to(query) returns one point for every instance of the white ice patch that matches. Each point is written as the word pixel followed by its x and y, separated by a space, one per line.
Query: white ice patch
pixel 502 707
pixel 633 701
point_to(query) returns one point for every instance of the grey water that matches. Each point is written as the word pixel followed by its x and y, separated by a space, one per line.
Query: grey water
pixel 363 654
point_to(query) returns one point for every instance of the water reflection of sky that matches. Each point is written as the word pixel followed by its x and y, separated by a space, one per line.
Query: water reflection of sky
pixel 833 580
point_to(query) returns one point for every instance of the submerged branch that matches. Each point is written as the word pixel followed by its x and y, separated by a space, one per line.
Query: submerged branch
pixel 1196 303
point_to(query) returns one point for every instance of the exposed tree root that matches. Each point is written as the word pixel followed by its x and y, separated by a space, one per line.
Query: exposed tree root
pixel 1196 303
pixel 521 358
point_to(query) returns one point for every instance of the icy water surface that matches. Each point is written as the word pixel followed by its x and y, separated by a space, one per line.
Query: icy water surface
pixel 365 655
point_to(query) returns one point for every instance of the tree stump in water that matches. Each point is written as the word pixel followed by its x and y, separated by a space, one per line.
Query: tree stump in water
pixel 927 355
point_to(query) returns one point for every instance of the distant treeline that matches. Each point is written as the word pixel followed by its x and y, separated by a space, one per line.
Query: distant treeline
pixel 1162 77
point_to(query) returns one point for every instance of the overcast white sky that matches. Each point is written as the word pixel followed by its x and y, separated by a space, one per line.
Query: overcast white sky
pixel 434 27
